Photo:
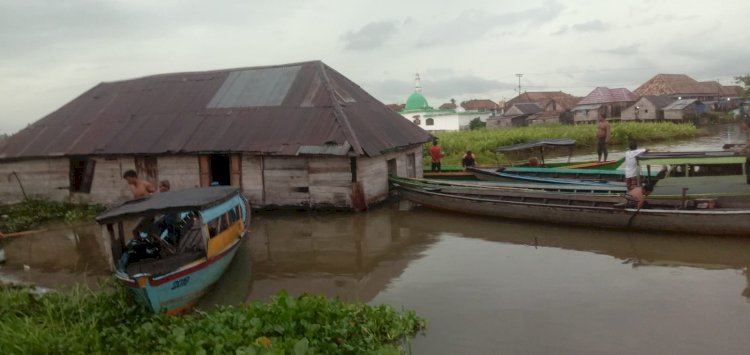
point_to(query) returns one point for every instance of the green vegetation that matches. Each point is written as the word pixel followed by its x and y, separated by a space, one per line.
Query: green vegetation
pixel 33 213
pixel 107 322
pixel 483 141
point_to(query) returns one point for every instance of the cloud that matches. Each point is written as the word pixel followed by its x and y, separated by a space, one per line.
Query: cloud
pixel 624 50
pixel 472 25
pixel 563 29
pixel 370 36
pixel 591 26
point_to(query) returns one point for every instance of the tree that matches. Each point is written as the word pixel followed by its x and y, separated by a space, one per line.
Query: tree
pixel 744 80
pixel 476 124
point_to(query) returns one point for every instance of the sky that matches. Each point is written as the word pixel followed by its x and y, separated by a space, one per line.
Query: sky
pixel 53 51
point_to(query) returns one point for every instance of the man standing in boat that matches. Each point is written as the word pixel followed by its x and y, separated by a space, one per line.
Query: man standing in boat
pixel 603 130
pixel 436 154
pixel 140 188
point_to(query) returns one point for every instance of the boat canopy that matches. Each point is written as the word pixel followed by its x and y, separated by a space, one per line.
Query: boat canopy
pixel 678 158
pixel 169 202
pixel 561 142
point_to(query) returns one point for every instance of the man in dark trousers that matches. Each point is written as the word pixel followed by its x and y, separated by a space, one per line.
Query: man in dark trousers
pixel 436 154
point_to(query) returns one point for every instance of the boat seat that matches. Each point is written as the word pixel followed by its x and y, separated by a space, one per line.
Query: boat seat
pixel 163 265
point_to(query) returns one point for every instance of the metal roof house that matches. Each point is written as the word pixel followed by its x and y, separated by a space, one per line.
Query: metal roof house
pixel 647 108
pixel 297 134
pixel 603 100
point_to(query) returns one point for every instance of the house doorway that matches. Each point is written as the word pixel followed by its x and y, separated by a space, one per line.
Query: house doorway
pixel 220 173
pixel 220 169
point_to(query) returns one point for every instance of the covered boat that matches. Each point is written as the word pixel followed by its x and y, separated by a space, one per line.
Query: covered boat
pixel 576 209
pixel 719 175
pixel 177 245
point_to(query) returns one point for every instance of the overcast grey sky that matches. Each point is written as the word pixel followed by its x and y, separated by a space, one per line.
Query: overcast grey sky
pixel 52 51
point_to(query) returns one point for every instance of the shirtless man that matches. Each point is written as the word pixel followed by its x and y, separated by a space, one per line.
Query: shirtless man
pixel 602 137
pixel 637 196
pixel 140 188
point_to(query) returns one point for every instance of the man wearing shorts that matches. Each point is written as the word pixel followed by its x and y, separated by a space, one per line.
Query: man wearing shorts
pixel 602 137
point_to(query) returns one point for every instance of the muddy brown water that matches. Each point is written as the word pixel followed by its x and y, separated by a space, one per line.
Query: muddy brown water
pixel 486 286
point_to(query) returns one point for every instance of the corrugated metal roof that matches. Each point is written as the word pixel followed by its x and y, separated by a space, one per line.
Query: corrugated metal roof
pixel 679 104
pixel 255 87
pixel 602 95
pixel 263 110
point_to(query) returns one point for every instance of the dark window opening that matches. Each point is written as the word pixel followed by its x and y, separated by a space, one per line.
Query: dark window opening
pixel 81 174
pixel 353 167
pixel 715 169
pixel 430 122
pixel 220 169
pixel 392 169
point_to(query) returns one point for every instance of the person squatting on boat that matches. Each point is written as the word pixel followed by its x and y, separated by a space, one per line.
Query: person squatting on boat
pixel 603 130
pixel 469 160
pixel 636 198
pixel 631 165
pixel 140 188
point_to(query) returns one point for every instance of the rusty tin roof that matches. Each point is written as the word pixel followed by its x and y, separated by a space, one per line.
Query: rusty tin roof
pixel 276 110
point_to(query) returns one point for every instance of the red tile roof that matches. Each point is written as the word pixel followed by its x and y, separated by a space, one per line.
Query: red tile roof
pixel 261 110
pixel 563 101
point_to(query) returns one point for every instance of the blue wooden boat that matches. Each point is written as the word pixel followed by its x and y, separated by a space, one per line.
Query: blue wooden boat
pixel 181 243
pixel 493 174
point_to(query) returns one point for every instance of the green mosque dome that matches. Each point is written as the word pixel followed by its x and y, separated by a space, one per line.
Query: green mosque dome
pixel 416 102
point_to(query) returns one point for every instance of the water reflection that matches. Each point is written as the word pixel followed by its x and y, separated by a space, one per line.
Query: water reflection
pixel 55 258
pixel 485 285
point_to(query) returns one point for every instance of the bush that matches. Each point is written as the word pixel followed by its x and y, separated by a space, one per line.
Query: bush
pixel 33 213
pixel 109 323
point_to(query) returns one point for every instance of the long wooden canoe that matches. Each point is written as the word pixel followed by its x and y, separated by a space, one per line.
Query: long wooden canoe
pixel 584 212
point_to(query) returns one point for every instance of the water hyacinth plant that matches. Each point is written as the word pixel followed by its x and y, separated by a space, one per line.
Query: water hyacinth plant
pixel 108 322
pixel 484 141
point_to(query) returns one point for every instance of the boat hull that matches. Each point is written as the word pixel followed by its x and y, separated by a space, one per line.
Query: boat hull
pixel 499 176
pixel 180 290
pixel 708 222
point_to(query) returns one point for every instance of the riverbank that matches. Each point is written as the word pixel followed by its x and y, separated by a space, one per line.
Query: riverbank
pixel 108 322
pixel 34 213
pixel 484 141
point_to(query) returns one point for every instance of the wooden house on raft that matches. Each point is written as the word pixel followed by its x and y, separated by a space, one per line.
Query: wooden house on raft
pixel 288 135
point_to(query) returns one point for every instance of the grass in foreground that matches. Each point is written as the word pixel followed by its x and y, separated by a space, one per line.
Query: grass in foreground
pixel 484 141
pixel 109 323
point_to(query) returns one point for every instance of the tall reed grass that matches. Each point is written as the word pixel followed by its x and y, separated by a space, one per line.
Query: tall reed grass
pixel 484 141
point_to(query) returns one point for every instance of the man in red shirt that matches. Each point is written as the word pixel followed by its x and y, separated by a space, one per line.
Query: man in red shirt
pixel 436 153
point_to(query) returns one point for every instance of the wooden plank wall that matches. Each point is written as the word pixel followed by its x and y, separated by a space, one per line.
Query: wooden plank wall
pixel 181 170
pixel 286 181
pixel 46 178
pixel 252 179
pixel 372 172
pixel 330 181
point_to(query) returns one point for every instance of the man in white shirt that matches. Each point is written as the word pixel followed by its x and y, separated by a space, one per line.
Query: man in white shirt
pixel 631 166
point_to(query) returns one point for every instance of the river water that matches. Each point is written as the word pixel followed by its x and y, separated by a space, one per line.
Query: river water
pixel 486 286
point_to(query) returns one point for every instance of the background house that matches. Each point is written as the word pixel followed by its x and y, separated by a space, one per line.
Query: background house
pixel 683 110
pixel 680 86
pixel 553 104
pixel 294 135
pixel 647 108
pixel 604 100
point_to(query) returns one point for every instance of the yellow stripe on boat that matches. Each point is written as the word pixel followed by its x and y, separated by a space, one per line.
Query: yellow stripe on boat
pixel 219 243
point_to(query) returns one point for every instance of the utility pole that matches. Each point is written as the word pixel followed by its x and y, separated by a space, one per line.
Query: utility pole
pixel 519 83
